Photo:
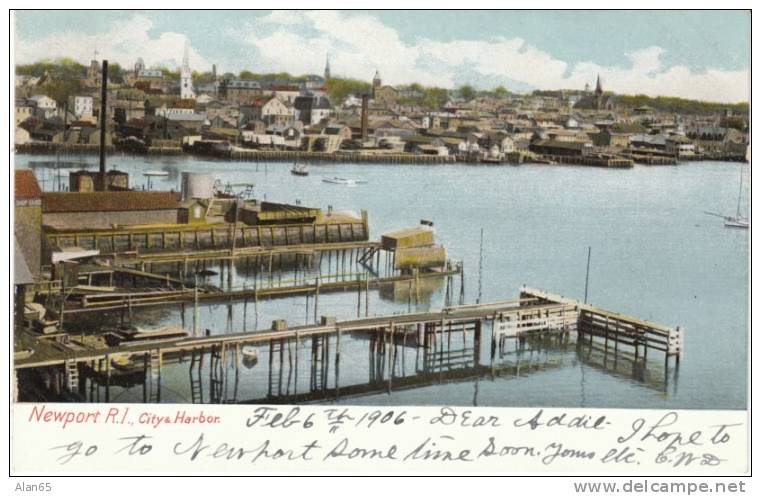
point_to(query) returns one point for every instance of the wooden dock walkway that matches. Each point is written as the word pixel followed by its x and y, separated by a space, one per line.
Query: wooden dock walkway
pixel 167 296
pixel 617 329
pixel 536 313
pixel 436 321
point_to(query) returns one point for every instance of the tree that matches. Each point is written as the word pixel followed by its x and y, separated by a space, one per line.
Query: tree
pixel 500 92
pixel 61 89
pixel 202 78
pixel 467 92
pixel 339 88
pixel 435 97
pixel 115 73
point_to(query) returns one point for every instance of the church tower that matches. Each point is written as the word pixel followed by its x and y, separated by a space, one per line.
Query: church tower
pixel 139 67
pixel 186 78
pixel 376 82
pixel 327 67
pixel 598 93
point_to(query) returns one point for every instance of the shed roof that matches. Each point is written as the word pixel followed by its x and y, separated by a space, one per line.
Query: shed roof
pixel 108 201
pixel 26 186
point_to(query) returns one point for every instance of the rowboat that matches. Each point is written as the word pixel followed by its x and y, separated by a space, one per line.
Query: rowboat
pixel 342 180
pixel 250 356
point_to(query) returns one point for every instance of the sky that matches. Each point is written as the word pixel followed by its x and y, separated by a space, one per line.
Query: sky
pixel 692 54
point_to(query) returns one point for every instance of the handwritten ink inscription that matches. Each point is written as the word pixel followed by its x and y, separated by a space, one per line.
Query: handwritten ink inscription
pixel 337 436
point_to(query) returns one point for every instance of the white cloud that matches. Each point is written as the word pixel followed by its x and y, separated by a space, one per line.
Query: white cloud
pixel 359 44
pixel 122 42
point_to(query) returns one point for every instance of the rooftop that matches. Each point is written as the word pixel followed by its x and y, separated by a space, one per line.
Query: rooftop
pixel 105 201
pixel 26 186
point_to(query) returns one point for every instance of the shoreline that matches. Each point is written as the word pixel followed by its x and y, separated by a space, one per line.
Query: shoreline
pixel 251 155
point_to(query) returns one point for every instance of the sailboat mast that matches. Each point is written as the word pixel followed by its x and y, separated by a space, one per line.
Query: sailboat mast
pixel 740 194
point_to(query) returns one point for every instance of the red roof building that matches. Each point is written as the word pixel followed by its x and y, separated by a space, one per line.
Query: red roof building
pixel 26 186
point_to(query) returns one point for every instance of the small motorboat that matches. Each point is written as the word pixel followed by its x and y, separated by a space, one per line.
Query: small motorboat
pixel 250 356
pixel 300 170
pixel 342 180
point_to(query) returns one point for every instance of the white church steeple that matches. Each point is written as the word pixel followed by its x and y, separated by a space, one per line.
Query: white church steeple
pixel 186 77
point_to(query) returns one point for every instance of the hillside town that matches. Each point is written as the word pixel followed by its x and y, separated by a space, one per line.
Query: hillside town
pixel 151 110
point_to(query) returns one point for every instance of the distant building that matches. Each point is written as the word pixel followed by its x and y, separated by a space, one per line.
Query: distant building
pixel 186 78
pixel 312 81
pixel 23 110
pixel 139 66
pixel 377 82
pixel 94 72
pixel 287 93
pixel 679 145
pixel 386 95
pixel 268 110
pixel 312 109
pixel 598 93
pixel 44 106
pixel 82 106
pixel 239 91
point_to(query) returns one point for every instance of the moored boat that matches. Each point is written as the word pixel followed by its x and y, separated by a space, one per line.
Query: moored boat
pixel 250 356
pixel 342 180
pixel 300 169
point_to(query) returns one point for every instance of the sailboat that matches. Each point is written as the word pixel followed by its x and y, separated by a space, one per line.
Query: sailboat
pixel 738 220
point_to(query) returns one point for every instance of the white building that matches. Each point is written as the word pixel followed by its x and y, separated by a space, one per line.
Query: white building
pixel 23 111
pixel 186 78
pixel 165 111
pixel 83 106
pixel 44 106
pixel 680 146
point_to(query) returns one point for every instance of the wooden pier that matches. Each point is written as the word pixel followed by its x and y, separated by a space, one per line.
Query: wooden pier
pixel 311 286
pixel 536 314
pixel 615 329
pixel 591 160
pixel 343 156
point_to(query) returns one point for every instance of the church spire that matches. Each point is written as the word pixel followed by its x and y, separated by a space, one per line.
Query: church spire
pixel 598 94
pixel 327 67
pixel 185 57
pixel 186 77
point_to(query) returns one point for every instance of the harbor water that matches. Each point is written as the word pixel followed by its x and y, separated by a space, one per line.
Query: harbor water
pixel 655 254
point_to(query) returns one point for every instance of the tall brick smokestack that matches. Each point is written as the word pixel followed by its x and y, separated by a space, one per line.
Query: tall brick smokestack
pixel 103 126
pixel 364 116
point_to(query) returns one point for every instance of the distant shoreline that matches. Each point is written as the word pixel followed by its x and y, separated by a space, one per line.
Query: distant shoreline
pixel 252 155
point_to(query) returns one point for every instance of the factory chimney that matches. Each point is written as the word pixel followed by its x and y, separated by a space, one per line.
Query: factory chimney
pixel 103 118
pixel 364 116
